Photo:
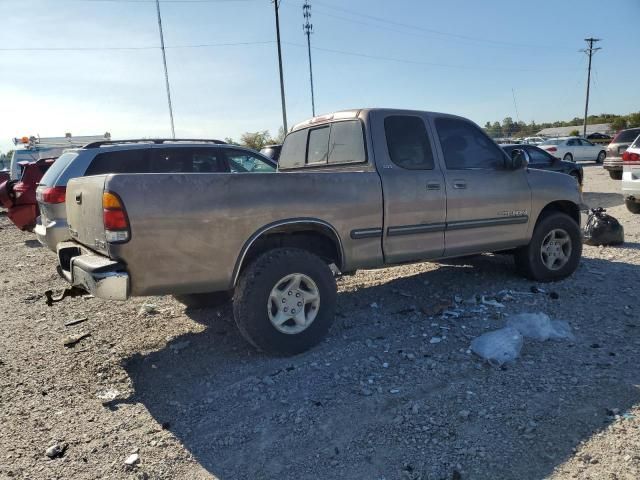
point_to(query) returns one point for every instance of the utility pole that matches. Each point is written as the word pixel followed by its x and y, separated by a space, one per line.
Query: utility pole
pixel 308 30
pixel 276 4
pixel 166 73
pixel 589 51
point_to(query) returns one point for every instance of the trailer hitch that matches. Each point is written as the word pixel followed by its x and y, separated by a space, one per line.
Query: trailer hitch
pixel 67 292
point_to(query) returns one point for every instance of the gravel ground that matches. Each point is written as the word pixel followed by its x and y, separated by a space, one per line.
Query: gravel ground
pixel 393 393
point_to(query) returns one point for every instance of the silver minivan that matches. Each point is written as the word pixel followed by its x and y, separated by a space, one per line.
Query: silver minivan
pixel 134 156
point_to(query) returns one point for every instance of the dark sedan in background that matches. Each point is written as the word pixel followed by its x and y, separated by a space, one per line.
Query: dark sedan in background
pixel 539 159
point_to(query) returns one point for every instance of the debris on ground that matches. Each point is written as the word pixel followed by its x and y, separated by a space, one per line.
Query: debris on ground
pixel 490 302
pixel 148 309
pixel 539 326
pixel 132 460
pixel 108 395
pixel 76 321
pixel 498 347
pixel 71 340
pixel 56 450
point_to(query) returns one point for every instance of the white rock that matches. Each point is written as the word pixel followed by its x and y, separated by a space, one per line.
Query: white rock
pixel 132 459
pixel 435 340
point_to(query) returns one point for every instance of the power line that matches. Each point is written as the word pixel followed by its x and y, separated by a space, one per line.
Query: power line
pixel 432 31
pixel 420 62
pixel 308 30
pixel 589 51
pixel 150 47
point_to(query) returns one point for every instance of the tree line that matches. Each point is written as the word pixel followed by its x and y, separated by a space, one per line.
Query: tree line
pixel 509 128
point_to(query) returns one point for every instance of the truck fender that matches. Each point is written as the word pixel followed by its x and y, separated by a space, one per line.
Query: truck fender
pixel 289 226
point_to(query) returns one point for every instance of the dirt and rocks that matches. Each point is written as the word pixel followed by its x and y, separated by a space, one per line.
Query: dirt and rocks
pixel 151 390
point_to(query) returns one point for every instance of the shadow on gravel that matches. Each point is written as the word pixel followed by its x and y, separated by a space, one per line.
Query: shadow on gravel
pixel 604 200
pixel 243 414
pixel 32 244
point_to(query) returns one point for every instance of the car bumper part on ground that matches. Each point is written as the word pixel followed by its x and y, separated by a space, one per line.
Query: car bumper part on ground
pixel 51 234
pixel 98 275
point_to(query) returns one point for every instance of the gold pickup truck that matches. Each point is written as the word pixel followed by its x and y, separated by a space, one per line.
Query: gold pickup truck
pixel 356 189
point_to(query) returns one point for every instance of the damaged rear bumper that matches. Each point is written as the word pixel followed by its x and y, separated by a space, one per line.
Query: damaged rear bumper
pixel 97 274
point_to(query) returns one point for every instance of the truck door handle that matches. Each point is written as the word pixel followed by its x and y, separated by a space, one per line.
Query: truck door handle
pixel 433 186
pixel 459 184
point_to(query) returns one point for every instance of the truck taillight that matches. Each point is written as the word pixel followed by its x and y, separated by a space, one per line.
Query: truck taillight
pixel 630 157
pixel 114 216
pixel 52 194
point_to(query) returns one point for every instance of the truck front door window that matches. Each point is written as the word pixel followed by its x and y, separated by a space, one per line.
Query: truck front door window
pixel 408 142
pixel 466 147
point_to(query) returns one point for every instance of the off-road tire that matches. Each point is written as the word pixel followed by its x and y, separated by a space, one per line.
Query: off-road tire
pixel 632 206
pixel 615 174
pixel 204 300
pixel 568 157
pixel 251 300
pixel 528 259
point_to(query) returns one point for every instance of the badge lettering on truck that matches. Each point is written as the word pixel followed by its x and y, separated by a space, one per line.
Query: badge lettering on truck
pixel 513 213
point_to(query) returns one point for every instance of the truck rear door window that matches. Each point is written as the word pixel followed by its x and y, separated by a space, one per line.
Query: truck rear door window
pixel 408 142
pixel 346 142
pixel 318 147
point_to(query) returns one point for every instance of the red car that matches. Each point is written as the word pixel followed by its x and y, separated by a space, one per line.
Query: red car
pixel 19 196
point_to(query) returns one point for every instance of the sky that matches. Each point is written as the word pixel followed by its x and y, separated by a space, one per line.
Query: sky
pixel 90 66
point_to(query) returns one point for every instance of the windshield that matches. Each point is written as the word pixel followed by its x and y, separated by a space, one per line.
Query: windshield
pixel 56 169
pixel 552 142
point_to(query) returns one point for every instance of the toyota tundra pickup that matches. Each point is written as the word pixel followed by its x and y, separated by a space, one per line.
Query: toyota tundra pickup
pixel 356 189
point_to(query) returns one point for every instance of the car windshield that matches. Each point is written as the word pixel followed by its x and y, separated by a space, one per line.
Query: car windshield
pixel 552 142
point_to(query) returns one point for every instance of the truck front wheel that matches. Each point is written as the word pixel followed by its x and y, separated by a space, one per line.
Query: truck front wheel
pixel 554 250
pixel 285 301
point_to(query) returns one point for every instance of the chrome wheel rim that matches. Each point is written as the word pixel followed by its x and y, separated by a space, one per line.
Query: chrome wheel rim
pixel 293 303
pixel 555 250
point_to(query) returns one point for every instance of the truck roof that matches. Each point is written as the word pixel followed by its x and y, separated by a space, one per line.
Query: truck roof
pixel 356 113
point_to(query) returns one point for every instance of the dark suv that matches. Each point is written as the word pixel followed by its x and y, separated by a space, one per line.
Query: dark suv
pixel 619 144
pixel 134 156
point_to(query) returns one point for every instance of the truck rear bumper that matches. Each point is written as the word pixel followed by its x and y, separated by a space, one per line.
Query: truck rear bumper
pixel 97 274
pixel 613 164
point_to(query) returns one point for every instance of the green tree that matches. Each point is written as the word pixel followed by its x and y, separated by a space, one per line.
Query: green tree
pixel 574 133
pixel 619 123
pixel 633 119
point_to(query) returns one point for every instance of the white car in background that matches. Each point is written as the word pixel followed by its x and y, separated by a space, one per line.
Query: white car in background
pixel 572 149
pixel 631 176
pixel 534 140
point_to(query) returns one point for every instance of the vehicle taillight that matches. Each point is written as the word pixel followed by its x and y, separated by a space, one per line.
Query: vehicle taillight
pixel 630 157
pixel 552 149
pixel 52 195
pixel 114 217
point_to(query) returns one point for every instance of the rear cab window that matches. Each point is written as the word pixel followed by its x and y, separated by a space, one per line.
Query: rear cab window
pixel 337 143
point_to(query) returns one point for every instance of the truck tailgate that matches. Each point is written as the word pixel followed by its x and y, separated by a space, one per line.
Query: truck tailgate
pixel 84 212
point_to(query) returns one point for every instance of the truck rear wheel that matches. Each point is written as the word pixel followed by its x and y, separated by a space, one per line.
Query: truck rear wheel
pixel 285 301
pixel 615 174
pixel 632 205
pixel 554 250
